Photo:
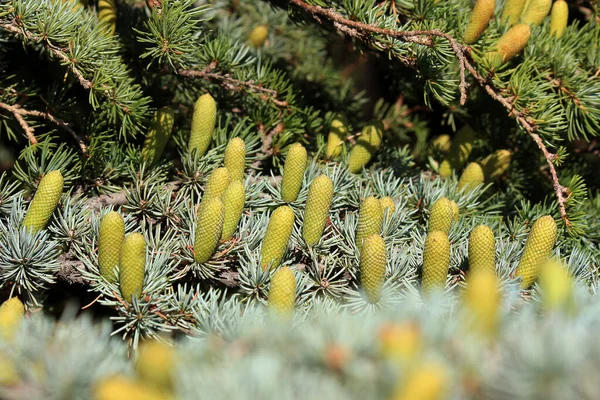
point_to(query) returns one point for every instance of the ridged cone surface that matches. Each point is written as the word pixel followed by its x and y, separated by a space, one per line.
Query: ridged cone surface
pixel 277 237
pixel 471 177
pixel 366 146
pixel 110 239
pixel 370 219
pixel 537 249
pixel 259 35
pixel 482 13
pixel 427 381
pixel 132 266
pixel 442 143
pixel 387 202
pixel 293 172
pixel 556 285
pixel 512 11
pixel 158 135
pixel 455 211
pixel 11 315
pixel 155 365
pixel 482 250
pixel 400 342
pixel 510 44
pixel 44 201
pixel 282 293
pixel 441 216
pixel 233 202
pixel 316 214
pixel 559 17
pixel 536 11
pixel 122 388
pixel 436 260
pixel 235 159
pixel 482 299
pixel 209 226
pixel 496 164
pixel 107 15
pixel 459 152
pixel 372 267
pixel 335 139
pixel 217 183
pixel 203 124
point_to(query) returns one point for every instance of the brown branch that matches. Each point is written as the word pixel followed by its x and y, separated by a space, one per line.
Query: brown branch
pixel 17 112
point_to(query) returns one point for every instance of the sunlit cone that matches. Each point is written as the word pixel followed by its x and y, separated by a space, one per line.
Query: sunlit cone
pixel 122 388
pixel 209 227
pixel 496 164
pixel 442 215
pixel 366 146
pixel 158 135
pixel 318 202
pixel 11 315
pixel 459 152
pixel 203 124
pixel 559 18
pixel 370 219
pixel 442 143
pixel 436 260
pixel 277 237
pixel 259 36
pixel 537 249
pixel 455 211
pixel 482 302
pixel 372 267
pixel 536 11
pixel 336 137
pixel 44 201
pixel 471 177
pixel 282 293
pixel 427 381
pixel 482 250
pixel 217 183
pixel 110 239
pixel 400 342
pixel 293 172
pixel 509 45
pixel 107 15
pixel 235 158
pixel 233 202
pixel 155 365
pixel 556 285
pixel 387 203
pixel 512 11
pixel 132 266
pixel 482 13
pixel 8 373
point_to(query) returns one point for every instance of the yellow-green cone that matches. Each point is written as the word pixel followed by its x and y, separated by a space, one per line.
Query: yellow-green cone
pixel 426 381
pixel 11 315
pixel 471 177
pixel 537 250
pixel 107 15
pixel 482 13
pixel 155 365
pixel 455 211
pixel 217 183
pixel 277 237
pixel 436 260
pixel 282 293
pixel 442 143
pixel 158 135
pixel 318 202
pixel 559 18
pixel 132 266
pixel 203 124
pixel 9 375
pixel 110 239
pixel 536 11
pixel 235 158
pixel 293 172
pixel 482 301
pixel 366 145
pixel 459 151
pixel 400 342
pixel 44 201
pixel 556 285
pixel 370 218
pixel 482 250
pixel 442 215
pixel 335 139
pixel 495 165
pixel 512 11
pixel 122 388
pixel 372 267
pixel 387 203
pixel 233 202
pixel 259 35
pixel 209 227
pixel 509 45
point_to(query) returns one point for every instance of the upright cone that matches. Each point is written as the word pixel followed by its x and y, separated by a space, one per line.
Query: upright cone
pixel 427 381
pixel 509 45
pixel 482 250
pixel 495 165
pixel 282 293
pixel 316 214
pixel 442 143
pixel 482 13
pixel 537 250
pixel 512 11
pixel 203 124
pixel 110 239
pixel 536 11
pixel 277 237
pixel 44 201
pixel 233 202
pixel 107 15
pixel 293 172
pixel 11 315
pixel 235 158
pixel 132 266
pixel 122 388
pixel 482 300
pixel 459 152
pixel 442 215
pixel 217 183
pixel 556 285
pixel 372 267
pixel 559 18
pixel 336 137
pixel 471 177
pixel 158 135
pixel 370 219
pixel 209 227
pixel 366 146
pixel 387 203
pixel 259 36
pixel 436 260
pixel 155 365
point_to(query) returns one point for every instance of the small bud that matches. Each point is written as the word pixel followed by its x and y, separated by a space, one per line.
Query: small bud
pixel 293 172
pixel 372 267
pixel 370 219
pixel 366 146
pixel 158 135
pixel 282 293
pixel 259 36
pixel 482 13
pixel 132 266
pixel 235 158
pixel 277 237
pixel 110 239
pixel 203 124
pixel 436 260
pixel 537 250
pixel 316 214
pixel 44 201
